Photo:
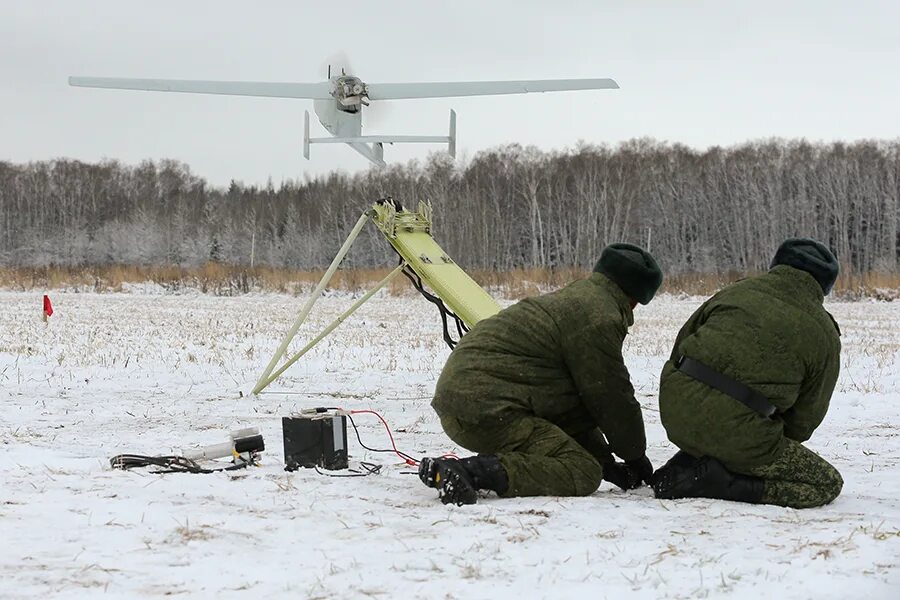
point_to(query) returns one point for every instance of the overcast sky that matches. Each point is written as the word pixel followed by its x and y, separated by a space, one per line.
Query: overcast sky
pixel 699 73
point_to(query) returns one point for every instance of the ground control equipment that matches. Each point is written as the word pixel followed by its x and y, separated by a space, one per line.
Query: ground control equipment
pixel 315 438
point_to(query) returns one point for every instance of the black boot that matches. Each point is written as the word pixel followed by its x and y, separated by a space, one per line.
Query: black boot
pixel 674 477
pixel 705 477
pixel 682 459
pixel 458 481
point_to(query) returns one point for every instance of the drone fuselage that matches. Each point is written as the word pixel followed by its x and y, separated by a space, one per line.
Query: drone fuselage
pixel 342 117
pixel 338 122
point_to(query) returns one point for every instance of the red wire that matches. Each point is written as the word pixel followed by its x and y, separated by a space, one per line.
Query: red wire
pixel 408 461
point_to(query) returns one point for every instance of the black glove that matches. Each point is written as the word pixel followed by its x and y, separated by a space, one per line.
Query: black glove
pixel 642 467
pixel 630 474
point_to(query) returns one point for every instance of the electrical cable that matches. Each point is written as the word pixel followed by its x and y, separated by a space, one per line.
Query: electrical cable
pixel 172 464
pixel 409 460
pixel 369 468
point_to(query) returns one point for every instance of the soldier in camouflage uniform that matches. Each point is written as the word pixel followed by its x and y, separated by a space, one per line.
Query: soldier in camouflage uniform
pixel 541 391
pixel 750 378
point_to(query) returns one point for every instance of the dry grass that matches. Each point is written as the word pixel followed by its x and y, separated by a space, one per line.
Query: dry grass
pixel 213 278
pixel 228 280
pixel 521 283
pixel 881 286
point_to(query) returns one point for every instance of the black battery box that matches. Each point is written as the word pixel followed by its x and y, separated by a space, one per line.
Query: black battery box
pixel 315 440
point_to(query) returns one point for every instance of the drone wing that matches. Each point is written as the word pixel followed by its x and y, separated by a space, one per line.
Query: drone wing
pixel 397 91
pixel 231 88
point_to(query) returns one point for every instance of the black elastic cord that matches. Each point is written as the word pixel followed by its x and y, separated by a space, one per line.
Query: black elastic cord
pixel 437 301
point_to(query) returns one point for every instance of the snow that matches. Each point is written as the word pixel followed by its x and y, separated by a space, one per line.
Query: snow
pixel 148 373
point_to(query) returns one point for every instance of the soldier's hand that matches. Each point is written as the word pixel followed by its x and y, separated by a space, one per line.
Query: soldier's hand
pixel 621 475
pixel 642 467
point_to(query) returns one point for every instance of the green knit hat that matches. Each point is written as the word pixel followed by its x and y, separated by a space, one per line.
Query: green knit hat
pixel 811 256
pixel 633 269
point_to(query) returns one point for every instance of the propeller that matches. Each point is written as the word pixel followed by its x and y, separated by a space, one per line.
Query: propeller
pixel 338 63
pixel 376 113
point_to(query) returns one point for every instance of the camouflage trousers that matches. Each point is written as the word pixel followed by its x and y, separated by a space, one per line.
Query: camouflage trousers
pixel 799 478
pixel 539 457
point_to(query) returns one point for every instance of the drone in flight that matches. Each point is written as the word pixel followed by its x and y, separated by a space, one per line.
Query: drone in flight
pixel 340 100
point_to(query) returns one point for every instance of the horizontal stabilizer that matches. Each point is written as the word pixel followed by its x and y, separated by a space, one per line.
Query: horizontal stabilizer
pixel 383 139
pixel 375 151
pixel 320 91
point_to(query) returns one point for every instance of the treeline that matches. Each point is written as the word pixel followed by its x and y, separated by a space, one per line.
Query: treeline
pixel 712 211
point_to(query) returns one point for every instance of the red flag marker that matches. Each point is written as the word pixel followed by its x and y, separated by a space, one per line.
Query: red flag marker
pixel 48 308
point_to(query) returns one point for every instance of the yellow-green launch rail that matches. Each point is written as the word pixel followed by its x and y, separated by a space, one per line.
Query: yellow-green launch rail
pixel 410 235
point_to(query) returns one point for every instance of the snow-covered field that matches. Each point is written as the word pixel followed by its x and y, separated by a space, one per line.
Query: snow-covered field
pixel 151 373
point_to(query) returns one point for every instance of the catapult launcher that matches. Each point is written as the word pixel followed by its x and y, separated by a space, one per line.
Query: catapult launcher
pixel 461 301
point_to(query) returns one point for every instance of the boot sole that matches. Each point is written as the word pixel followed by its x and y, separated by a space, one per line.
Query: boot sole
pixel 453 484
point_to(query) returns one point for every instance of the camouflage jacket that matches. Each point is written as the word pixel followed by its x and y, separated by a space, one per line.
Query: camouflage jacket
pixel 771 333
pixel 556 356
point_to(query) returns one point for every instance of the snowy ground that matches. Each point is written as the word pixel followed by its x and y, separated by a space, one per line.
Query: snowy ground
pixel 148 373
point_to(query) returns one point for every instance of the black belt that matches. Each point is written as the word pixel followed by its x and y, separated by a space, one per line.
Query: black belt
pixel 728 386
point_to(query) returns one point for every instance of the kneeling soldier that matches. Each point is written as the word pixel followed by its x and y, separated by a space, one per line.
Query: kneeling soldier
pixel 541 391
pixel 749 379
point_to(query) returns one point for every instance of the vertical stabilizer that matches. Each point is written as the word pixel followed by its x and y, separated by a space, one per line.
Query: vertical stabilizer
pixel 306 135
pixel 451 145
